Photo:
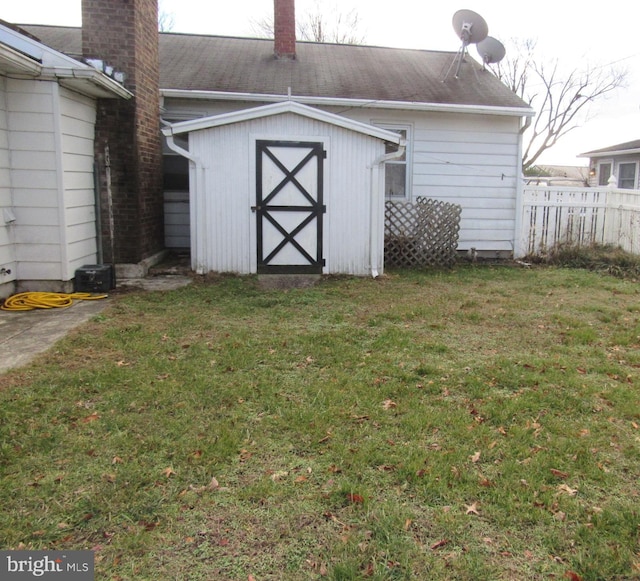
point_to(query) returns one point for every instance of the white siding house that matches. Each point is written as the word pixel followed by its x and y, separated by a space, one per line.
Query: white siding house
pixel 47 125
pixel 230 229
pixel 462 133
pixel 466 158
pixel 617 165
pixel 7 247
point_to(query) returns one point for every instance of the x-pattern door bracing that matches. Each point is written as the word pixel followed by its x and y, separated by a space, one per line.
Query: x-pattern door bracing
pixel 289 207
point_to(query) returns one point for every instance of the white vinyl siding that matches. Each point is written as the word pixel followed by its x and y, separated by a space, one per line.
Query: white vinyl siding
pixel 469 160
pixel 7 248
pixel 34 176
pixel 51 133
pixel 473 160
pixel 77 127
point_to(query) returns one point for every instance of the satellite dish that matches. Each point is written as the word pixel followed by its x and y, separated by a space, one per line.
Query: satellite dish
pixel 470 27
pixel 491 50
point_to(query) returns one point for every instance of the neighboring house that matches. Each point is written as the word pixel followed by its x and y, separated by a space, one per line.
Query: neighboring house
pixel 47 124
pixel 227 99
pixel 621 161
pixel 558 175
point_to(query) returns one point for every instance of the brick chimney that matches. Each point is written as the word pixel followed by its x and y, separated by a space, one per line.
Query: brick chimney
pixel 124 34
pixel 284 29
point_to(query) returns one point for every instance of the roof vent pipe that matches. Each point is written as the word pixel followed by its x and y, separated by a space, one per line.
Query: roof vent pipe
pixel 284 29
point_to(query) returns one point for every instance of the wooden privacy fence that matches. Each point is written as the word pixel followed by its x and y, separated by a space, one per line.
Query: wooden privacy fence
pixel 553 216
pixel 420 234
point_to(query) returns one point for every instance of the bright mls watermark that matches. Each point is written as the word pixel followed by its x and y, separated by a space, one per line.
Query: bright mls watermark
pixel 45 565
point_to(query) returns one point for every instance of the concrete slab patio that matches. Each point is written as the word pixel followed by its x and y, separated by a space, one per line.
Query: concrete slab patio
pixel 25 334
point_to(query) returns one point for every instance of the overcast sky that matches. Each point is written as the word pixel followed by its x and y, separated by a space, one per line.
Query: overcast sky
pixel 572 32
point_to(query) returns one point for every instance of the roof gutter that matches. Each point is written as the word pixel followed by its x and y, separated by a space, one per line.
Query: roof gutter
pixel 610 153
pixel 19 62
pixel 80 76
pixel 349 103
pixel 377 205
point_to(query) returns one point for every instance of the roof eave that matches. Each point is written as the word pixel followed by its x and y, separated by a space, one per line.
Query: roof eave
pixel 17 62
pixel 277 109
pixel 88 81
pixel 345 102
pixel 610 153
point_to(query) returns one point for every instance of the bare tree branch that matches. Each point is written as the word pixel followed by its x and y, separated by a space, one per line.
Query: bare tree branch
pixel 166 20
pixel 316 26
pixel 561 101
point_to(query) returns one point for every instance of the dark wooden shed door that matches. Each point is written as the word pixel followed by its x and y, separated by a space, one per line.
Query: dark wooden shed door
pixel 289 207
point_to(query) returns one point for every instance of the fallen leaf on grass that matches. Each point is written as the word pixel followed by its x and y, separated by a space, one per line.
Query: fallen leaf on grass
pixel 559 473
pixel 439 544
pixel 475 458
pixel 355 498
pixel 572 576
pixel 278 476
pixel 168 471
pixel 388 404
pixel 300 479
pixel 148 526
pixel 472 509
pixel 92 418
pixel 568 490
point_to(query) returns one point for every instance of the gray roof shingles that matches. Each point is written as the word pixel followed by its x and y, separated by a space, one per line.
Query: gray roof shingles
pixel 628 145
pixel 244 65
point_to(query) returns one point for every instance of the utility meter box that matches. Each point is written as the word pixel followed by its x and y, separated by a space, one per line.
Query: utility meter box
pixel 94 278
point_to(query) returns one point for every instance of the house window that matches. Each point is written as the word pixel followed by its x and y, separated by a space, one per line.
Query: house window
pixel 396 171
pixel 604 173
pixel 175 173
pixel 627 176
pixel 175 167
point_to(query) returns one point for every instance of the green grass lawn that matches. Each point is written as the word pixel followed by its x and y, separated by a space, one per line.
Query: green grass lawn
pixel 481 423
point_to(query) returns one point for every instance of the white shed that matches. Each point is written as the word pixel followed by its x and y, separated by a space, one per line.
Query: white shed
pixel 286 189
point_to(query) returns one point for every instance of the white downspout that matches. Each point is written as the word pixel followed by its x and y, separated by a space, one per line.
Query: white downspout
pixel 198 174
pixel 377 203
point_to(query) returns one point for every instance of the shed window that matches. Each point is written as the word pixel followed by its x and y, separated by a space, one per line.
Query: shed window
pixel 627 176
pixel 604 174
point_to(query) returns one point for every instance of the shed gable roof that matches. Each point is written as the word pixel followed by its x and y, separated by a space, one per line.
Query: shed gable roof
pixel 279 109
pixel 192 62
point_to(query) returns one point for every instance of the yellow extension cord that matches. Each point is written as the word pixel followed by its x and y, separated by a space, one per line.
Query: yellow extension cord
pixel 41 300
